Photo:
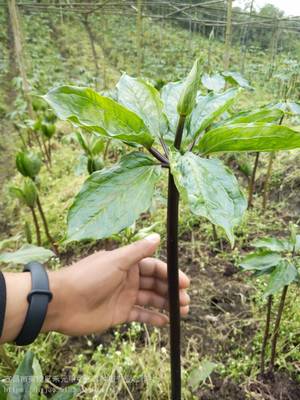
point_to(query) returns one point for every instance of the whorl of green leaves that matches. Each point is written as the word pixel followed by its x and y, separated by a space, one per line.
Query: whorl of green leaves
pixel 27 194
pixel 111 199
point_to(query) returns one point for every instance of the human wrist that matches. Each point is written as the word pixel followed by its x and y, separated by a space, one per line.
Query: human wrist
pixel 56 308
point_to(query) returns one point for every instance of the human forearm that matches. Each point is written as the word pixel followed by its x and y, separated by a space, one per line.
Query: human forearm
pixel 18 285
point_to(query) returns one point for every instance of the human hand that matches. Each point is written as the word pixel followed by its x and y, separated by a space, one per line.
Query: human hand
pixel 112 287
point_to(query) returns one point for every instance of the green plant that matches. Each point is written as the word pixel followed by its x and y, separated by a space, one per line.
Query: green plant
pixel 27 383
pixel 188 127
pixel 92 146
pixel 29 165
pixel 278 259
pixel 28 195
pixel 26 254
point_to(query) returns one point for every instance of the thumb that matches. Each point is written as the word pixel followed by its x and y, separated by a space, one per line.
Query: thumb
pixel 135 252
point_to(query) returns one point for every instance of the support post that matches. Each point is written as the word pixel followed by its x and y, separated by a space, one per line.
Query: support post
pixel 18 49
pixel 228 35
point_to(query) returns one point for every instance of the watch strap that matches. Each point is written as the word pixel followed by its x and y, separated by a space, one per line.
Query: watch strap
pixel 2 302
pixel 38 300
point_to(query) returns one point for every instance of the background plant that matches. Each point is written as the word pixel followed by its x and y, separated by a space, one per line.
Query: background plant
pixel 183 117
pixel 279 260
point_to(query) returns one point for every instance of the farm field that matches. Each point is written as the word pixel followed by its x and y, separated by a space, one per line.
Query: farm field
pixel 225 137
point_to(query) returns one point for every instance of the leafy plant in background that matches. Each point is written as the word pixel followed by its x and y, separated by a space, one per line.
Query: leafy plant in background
pixel 181 129
pixel 26 254
pixel 28 196
pixel 29 165
pixel 290 109
pixel 27 383
pixel 277 259
pixel 93 146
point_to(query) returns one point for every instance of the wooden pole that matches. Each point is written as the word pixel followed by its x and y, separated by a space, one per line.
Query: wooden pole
pixel 139 37
pixel 228 35
pixel 19 56
pixel 93 47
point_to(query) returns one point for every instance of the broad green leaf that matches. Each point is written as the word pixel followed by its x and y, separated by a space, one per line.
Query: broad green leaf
pixel 37 380
pixel 210 189
pixel 113 198
pixel 262 261
pixel 68 393
pixel 236 78
pixel 209 108
pixel 215 82
pixel 143 99
pixel 261 115
pixel 284 274
pixel 26 254
pixel 249 137
pixel 170 95
pixel 273 244
pixel 190 87
pixel 86 108
pixel 26 380
pixel 200 374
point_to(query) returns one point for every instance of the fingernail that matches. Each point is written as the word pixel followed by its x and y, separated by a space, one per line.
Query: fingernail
pixel 153 238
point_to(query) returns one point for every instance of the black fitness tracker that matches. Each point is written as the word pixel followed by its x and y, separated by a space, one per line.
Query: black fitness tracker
pixel 2 302
pixel 38 300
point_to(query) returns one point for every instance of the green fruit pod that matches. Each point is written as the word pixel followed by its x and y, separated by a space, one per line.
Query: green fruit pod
pixel 28 164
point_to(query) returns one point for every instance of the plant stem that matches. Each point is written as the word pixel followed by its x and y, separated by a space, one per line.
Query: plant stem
pixel 266 335
pixel 45 223
pixel 173 275
pixel 266 183
pixel 269 171
pixel 276 328
pixel 158 155
pixel 214 232
pixel 36 225
pixel 252 181
pixel 164 146
pixel 105 154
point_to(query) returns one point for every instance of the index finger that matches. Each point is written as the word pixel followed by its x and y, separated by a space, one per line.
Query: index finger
pixel 152 267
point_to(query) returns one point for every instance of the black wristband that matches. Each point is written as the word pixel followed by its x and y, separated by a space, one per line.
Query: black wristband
pixel 38 300
pixel 2 302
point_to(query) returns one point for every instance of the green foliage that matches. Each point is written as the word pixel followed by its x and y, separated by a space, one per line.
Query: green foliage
pixel 284 274
pixel 201 374
pixel 189 90
pixel 215 82
pixel 109 193
pixel 235 78
pixel 95 113
pixel 210 189
pixel 264 261
pixel 277 258
pixel 208 109
pixel 249 137
pixel 27 382
pixel 26 254
pixel 143 99
pixel 170 95
pixel 263 114
pixel 27 194
pixel 28 163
